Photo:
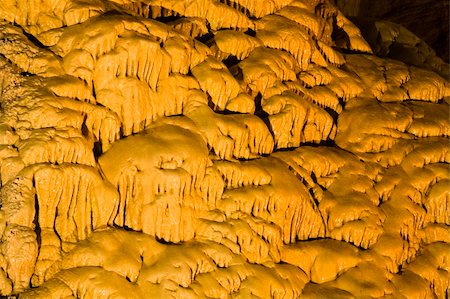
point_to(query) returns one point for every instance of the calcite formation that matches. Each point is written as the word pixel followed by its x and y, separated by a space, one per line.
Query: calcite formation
pixel 216 149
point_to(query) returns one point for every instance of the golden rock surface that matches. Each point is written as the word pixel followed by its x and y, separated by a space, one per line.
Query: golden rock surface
pixel 216 149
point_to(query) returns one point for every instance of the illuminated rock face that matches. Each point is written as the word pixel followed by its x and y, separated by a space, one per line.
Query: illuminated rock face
pixel 197 148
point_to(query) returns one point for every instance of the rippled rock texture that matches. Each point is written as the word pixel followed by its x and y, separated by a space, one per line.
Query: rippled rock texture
pixel 217 149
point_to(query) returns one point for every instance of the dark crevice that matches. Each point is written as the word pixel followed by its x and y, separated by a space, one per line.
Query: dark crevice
pixel 205 38
pixel 340 37
pixel 162 241
pixel 311 192
pixel 126 228
pixel 333 113
pixel 167 19
pixel 230 61
pixel 26 74
pixel 313 177
pixel 327 142
pixel 112 12
pixel 93 92
pixel 98 150
pixel 236 72
pixel 250 32
pixel 286 149
pixel 227 112
pixel 37 228
pixel 258 104
pixel 34 40
pixel 263 115
pixel 347 51
pixel 84 129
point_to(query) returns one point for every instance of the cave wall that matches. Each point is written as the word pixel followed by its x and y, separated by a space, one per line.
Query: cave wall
pixel 219 149
pixel 428 19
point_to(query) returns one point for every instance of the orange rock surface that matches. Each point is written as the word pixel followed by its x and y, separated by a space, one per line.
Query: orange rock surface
pixel 216 149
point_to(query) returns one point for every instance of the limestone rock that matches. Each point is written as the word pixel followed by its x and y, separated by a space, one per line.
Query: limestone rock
pixel 218 149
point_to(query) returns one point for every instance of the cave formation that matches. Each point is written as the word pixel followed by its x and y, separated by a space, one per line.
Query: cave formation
pixel 428 19
pixel 219 149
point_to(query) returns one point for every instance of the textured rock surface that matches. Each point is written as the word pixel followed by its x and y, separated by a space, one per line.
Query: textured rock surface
pixel 427 19
pixel 207 149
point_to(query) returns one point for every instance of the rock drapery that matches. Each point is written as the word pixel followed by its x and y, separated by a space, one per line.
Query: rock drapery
pixel 218 149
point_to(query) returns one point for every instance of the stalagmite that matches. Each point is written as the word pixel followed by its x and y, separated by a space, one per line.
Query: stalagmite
pixel 219 149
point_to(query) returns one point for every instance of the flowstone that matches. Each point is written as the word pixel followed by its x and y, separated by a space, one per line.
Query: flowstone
pixel 217 149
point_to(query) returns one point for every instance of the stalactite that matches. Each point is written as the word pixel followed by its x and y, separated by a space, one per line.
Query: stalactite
pixel 264 67
pixel 426 85
pixel 302 16
pixel 278 32
pixel 54 146
pixel 431 265
pixel 307 122
pixel 330 54
pixel 160 184
pixel 238 136
pixel 215 79
pixel 235 43
pixel 355 41
pixel 193 27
